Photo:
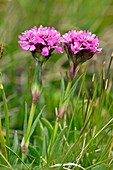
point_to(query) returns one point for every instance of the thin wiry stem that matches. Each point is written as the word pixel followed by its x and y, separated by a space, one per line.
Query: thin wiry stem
pixel 6 161
pixel 67 164
pixel 80 155
pixel 98 133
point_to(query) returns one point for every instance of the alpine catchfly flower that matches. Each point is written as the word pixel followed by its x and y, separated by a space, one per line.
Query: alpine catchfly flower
pixel 41 40
pixel 80 46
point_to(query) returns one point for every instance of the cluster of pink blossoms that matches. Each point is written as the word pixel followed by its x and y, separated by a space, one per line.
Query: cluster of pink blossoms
pixel 77 41
pixel 43 40
pixel 80 46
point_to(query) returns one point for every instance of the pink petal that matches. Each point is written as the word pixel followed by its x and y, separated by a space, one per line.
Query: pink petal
pixel 59 49
pixel 25 47
pixel 45 51
pixel 32 48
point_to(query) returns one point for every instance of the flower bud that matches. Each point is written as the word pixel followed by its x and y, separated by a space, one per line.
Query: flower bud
pixel 35 93
pixel 61 111
pixel 24 146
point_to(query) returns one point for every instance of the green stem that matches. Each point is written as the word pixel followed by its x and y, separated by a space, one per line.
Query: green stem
pixel 36 91
pixel 38 74
pixel 33 107
pixel 2 141
pixel 6 114
pixel 37 81
pixel 23 156
pixel 68 88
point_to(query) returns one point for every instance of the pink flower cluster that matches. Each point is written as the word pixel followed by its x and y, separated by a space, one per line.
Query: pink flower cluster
pixel 43 40
pixel 80 46
pixel 77 41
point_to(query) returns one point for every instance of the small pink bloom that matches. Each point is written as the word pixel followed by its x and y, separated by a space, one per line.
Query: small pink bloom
pixel 80 46
pixel 77 41
pixel 43 40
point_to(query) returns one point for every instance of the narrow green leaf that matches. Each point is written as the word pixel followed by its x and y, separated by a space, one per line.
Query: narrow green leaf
pixel 100 167
pixel 34 153
pixel 70 93
pixel 35 122
pixel 45 142
pixel 57 143
pixel 53 137
pixel 15 142
pixel 48 125
pixel 13 158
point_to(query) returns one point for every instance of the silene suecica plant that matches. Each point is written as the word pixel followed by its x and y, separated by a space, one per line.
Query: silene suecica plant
pixel 69 143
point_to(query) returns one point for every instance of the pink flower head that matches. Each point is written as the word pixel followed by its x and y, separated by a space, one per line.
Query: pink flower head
pixel 80 46
pixel 42 40
pixel 77 41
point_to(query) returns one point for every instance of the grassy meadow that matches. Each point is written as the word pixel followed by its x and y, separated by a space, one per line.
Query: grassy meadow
pixel 83 137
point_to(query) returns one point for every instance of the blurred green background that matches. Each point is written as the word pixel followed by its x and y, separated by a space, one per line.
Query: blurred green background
pixel 17 66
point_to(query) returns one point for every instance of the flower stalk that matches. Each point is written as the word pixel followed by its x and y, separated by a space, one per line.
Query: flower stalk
pixel 41 42
pixel 6 113
pixel 36 89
